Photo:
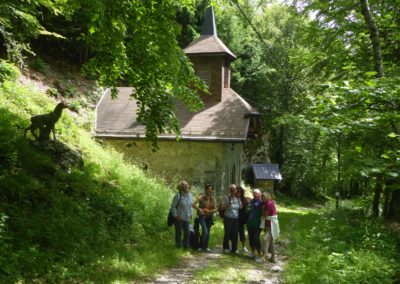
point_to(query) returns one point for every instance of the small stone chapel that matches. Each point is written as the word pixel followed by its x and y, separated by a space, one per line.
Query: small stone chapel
pixel 211 146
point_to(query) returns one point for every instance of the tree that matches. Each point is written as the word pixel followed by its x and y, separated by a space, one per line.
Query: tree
pixel 19 23
pixel 374 36
pixel 329 55
pixel 135 42
pixel 131 41
pixel 272 74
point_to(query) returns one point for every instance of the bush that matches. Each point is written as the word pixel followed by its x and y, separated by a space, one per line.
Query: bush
pixel 53 92
pixel 8 142
pixel 8 71
pixel 339 246
pixel 40 65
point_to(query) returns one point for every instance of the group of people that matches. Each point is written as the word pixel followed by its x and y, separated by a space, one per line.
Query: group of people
pixel 257 215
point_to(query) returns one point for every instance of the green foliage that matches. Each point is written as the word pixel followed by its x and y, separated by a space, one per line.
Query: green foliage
pixel 70 92
pixel 75 106
pixel 361 114
pixel 53 92
pixel 8 155
pixel 40 65
pixel 307 68
pixel 19 23
pixel 191 20
pixel 8 71
pixel 345 42
pixel 135 42
pixel 272 74
pixel 309 167
pixel 94 223
pixel 330 246
pixel 8 137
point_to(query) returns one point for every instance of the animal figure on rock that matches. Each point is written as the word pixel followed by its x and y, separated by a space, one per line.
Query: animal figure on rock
pixel 46 123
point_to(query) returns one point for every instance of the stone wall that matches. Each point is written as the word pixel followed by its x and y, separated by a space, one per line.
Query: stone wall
pixel 197 162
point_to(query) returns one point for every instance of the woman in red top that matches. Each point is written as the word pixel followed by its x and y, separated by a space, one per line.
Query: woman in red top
pixel 269 210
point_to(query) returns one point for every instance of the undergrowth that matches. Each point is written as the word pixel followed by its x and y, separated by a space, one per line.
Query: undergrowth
pixel 104 221
pixel 339 246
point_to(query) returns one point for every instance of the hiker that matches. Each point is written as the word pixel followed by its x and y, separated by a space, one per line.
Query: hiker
pixel 242 217
pixel 231 205
pixel 271 226
pixel 207 205
pixel 181 209
pixel 253 224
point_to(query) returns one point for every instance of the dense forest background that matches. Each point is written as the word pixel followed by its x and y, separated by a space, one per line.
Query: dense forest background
pixel 328 109
pixel 324 76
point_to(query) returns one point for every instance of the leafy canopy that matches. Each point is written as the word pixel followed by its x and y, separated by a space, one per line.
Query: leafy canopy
pixel 135 42
pixel 132 43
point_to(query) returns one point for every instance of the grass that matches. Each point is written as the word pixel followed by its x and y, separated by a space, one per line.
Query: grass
pixel 338 246
pixel 227 268
pixel 322 245
pixel 102 222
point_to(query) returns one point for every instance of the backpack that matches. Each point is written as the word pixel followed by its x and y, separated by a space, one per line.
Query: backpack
pixel 244 212
pixel 194 235
pixel 221 211
pixel 171 218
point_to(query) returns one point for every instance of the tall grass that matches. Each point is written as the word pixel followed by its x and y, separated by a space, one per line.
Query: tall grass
pixel 102 222
pixel 339 246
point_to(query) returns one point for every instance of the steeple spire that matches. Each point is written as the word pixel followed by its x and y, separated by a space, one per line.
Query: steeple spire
pixel 209 26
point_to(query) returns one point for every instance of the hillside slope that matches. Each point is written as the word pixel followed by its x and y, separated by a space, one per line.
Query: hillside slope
pixel 71 211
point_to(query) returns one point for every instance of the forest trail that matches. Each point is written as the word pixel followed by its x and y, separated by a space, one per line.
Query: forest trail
pixel 243 269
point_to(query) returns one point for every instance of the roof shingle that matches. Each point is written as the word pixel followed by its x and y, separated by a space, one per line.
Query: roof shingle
pixel 221 121
pixel 208 45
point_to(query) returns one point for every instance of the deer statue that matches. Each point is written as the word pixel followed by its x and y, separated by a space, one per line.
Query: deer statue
pixel 45 123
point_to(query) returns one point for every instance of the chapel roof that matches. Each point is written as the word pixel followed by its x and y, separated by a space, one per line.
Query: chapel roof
pixel 209 43
pixel 227 120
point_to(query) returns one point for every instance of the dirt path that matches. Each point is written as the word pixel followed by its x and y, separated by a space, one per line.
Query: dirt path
pixel 250 271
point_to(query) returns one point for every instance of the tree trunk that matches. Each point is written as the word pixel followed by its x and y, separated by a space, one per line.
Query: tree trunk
pixel 374 36
pixel 394 203
pixel 281 146
pixel 338 185
pixel 394 207
pixel 386 198
pixel 355 188
pixel 377 196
